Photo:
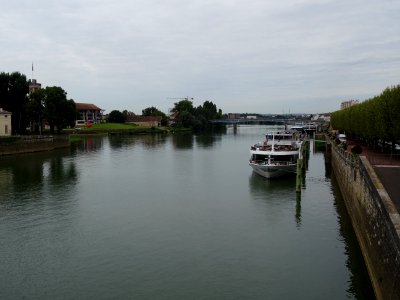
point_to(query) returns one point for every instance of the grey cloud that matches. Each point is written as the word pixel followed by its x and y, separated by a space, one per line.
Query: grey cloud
pixel 260 56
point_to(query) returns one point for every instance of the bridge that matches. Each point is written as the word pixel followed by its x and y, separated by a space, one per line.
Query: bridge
pixel 263 121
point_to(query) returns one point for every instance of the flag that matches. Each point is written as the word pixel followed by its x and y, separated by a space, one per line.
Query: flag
pixel 32 66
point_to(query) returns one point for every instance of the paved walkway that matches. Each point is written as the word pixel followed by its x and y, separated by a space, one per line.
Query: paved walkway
pixel 387 167
pixel 390 178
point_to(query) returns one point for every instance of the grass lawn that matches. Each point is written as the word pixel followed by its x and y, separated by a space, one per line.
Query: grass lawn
pixel 116 128
pixel 110 126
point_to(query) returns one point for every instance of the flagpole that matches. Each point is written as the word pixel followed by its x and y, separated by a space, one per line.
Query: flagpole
pixel 32 70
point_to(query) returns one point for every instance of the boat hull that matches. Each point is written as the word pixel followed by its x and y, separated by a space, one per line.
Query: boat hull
pixel 274 171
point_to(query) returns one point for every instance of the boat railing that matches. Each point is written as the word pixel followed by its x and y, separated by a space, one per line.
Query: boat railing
pixel 277 147
pixel 273 162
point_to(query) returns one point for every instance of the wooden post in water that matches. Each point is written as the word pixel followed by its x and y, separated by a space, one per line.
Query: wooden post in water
pixel 304 153
pixel 314 142
pixel 298 175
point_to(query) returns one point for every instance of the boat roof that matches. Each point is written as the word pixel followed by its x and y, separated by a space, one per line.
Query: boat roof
pixel 285 132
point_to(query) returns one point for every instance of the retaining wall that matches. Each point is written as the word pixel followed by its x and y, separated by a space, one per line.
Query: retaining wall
pixel 26 144
pixel 375 220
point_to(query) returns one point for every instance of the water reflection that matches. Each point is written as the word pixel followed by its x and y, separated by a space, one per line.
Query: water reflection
pixel 276 191
pixel 31 177
pixel 327 157
pixel 61 172
pixel 207 140
pixel 152 141
pixel 88 144
pixel 260 186
pixel 149 141
pixel 355 262
pixel 117 141
pixel 298 210
pixel 182 141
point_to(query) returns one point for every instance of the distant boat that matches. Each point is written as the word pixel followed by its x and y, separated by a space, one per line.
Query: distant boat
pixel 305 128
pixel 310 127
pixel 277 155
pixel 298 127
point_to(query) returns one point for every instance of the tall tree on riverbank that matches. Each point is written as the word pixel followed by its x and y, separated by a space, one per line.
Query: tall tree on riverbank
pixel 14 89
pixel 197 118
pixel 116 116
pixel 35 110
pixel 152 111
pixel 374 120
pixel 58 111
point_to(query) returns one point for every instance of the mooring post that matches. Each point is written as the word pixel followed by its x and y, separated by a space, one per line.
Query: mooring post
pixel 314 135
pixel 298 175
pixel 304 155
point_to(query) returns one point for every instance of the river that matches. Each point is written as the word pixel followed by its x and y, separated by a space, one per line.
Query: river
pixel 172 217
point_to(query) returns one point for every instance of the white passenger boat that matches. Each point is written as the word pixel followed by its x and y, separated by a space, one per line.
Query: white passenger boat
pixel 277 155
pixel 310 128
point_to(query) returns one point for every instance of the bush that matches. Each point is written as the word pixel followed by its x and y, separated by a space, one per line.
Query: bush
pixel 116 117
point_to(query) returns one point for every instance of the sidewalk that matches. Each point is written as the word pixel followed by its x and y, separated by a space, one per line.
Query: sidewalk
pixel 387 167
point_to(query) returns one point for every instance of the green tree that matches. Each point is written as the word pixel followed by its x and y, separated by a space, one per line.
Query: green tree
pixel 184 109
pixel 116 117
pixel 35 109
pixel 59 112
pixel 183 105
pixel 152 111
pixel 69 114
pixel 14 89
pixel 376 120
pixel 196 118
pixel 125 114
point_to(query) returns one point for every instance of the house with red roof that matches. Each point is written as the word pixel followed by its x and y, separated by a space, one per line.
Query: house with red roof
pixel 88 113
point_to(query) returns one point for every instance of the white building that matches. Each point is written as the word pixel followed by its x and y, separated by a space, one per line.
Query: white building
pixel 5 123
pixel 346 104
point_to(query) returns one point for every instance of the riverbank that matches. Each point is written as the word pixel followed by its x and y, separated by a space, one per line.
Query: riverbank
pixel 129 129
pixel 374 218
pixel 37 143
pixel 32 143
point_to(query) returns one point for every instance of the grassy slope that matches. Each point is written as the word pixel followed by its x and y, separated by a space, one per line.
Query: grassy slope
pixel 117 128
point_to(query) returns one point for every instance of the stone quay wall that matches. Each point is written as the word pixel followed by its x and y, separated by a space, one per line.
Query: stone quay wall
pixel 26 144
pixel 375 220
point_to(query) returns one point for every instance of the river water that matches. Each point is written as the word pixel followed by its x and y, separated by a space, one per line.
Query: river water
pixel 172 217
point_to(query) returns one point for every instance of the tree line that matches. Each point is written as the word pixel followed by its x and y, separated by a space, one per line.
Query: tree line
pixel 375 120
pixel 50 104
pixel 30 110
pixel 184 115
pixel 197 118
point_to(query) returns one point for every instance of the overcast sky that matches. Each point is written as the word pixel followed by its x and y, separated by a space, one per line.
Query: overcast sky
pixel 256 56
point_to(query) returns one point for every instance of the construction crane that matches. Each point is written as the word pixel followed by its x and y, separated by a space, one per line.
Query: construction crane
pixel 181 98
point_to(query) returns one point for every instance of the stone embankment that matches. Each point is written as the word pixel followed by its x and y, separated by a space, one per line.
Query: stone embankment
pixel 27 144
pixel 375 220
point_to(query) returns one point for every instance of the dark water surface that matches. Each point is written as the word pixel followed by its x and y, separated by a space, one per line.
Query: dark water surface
pixel 172 217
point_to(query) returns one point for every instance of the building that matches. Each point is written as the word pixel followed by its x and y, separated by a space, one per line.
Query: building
pixel 5 123
pixel 88 113
pixel 34 86
pixel 152 121
pixel 234 116
pixel 346 104
pixel 323 117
